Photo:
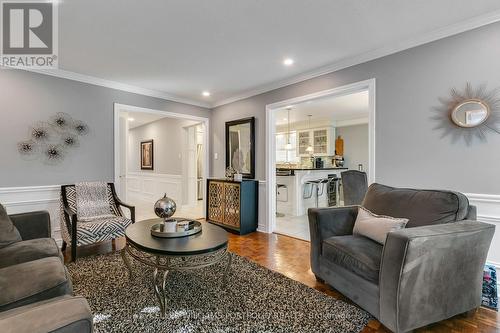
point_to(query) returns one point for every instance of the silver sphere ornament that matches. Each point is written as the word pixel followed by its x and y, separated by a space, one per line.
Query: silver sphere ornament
pixel 165 207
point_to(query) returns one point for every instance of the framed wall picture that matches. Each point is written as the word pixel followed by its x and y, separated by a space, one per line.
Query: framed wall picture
pixel 147 158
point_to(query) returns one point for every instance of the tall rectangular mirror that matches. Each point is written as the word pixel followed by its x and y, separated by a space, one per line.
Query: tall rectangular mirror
pixel 240 146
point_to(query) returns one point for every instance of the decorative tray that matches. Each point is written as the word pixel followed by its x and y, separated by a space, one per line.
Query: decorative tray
pixel 194 227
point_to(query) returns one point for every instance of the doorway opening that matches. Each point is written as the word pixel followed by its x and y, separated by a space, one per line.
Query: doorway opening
pixel 157 153
pixel 303 165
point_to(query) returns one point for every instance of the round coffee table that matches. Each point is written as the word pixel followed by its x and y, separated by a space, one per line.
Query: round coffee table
pixel 203 249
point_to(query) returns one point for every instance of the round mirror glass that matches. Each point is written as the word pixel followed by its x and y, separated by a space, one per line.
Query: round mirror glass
pixel 470 113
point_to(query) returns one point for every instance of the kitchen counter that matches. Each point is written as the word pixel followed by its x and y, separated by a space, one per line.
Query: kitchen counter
pixel 327 168
pixel 290 194
pixel 294 170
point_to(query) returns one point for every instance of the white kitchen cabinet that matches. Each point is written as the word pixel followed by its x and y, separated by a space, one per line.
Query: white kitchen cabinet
pixel 322 141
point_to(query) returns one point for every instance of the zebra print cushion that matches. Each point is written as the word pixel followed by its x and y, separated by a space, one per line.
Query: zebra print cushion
pixel 101 230
pixel 71 197
pixel 92 201
pixel 94 231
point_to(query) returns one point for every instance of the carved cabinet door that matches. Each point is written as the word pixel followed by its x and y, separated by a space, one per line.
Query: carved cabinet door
pixel 216 201
pixel 232 204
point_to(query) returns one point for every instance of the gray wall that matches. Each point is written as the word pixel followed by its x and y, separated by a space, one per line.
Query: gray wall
pixel 168 134
pixel 26 98
pixel 355 145
pixel 408 84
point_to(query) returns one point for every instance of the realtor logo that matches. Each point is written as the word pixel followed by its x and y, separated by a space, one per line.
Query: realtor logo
pixel 29 34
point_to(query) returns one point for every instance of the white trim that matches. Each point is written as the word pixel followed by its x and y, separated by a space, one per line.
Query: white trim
pixel 488 211
pixel 34 198
pixel 271 142
pixel 8 190
pixel 153 175
pixel 489 219
pixel 116 85
pixel 117 108
pixel 147 186
pixel 261 213
pixel 489 198
pixel 354 60
pixel 30 202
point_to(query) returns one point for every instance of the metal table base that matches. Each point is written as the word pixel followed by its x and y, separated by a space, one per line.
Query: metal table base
pixel 163 264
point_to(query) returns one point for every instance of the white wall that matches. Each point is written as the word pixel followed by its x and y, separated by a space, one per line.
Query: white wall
pixel 167 135
pixel 355 145
pixel 169 151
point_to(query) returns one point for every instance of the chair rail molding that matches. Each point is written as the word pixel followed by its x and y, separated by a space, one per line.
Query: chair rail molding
pixel 34 198
pixel 488 211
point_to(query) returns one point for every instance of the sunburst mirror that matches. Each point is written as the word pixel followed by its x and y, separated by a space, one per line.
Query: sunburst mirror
pixel 469 114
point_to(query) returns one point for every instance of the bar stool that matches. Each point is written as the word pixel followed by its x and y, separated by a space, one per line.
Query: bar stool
pixel 332 190
pixel 317 186
pixel 278 186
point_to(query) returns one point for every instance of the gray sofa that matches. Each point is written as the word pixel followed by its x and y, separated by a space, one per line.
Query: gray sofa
pixel 36 290
pixel 430 271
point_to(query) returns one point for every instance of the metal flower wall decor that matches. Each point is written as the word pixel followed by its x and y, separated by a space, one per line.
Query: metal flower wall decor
pixel 52 140
pixel 469 114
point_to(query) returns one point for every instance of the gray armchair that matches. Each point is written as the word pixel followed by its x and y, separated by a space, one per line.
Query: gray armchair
pixel 430 271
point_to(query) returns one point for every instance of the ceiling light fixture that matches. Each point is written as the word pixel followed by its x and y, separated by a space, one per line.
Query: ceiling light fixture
pixel 131 119
pixel 206 93
pixel 288 62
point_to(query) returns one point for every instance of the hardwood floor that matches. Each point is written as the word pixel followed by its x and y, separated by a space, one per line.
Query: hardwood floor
pixel 290 257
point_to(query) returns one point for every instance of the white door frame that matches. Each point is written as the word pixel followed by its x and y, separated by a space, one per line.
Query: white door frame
pixel 117 108
pixel 271 141
pixel 186 165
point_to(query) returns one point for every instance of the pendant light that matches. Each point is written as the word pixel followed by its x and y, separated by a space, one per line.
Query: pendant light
pixel 309 148
pixel 288 145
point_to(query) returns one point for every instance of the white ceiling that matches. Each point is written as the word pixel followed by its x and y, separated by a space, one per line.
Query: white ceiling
pixel 141 118
pixel 331 109
pixel 235 48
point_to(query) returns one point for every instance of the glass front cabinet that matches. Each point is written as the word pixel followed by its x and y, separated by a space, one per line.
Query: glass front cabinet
pixel 322 140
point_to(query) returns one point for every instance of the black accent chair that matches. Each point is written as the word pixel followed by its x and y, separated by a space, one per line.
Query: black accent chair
pixel 36 291
pixel 354 186
pixel 429 271
pixel 77 233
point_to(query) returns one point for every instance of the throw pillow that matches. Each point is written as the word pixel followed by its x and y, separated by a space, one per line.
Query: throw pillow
pixel 8 232
pixel 376 227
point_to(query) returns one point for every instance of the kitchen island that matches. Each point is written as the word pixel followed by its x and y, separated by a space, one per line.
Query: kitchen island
pixel 290 196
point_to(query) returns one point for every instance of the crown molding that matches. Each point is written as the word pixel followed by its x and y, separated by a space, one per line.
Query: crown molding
pixel 450 30
pixel 116 85
pixel 425 38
